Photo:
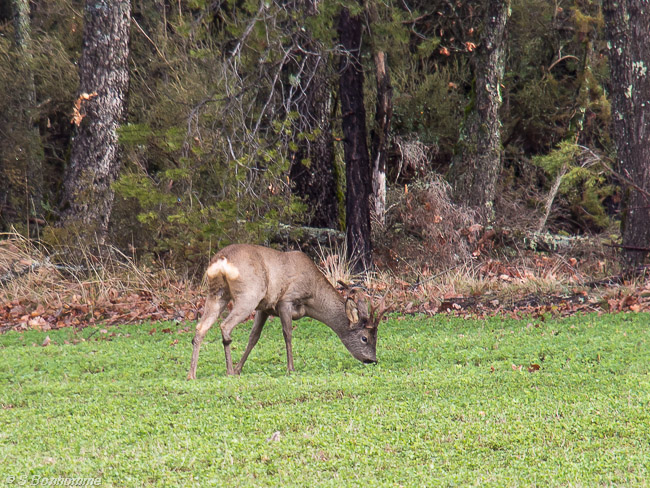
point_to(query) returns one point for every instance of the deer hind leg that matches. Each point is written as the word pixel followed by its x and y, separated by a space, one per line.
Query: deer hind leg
pixel 214 305
pixel 239 313
pixel 256 331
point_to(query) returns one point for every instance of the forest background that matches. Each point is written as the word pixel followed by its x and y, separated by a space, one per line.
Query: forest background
pixel 440 135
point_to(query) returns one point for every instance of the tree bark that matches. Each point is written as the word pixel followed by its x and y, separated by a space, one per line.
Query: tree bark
pixel 312 164
pixel 357 161
pixel 477 164
pixel 627 24
pixel 380 133
pixel 31 151
pixel 104 79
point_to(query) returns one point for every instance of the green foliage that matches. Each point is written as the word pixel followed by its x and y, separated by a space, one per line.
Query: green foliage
pixel 583 182
pixel 211 122
pixel 55 79
pixel 559 159
pixel 451 402
pixel 555 72
pixel 207 148
pixel 431 106
pixel 180 210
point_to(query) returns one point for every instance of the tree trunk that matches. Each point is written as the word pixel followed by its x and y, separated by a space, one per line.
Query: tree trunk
pixel 31 150
pixel 357 163
pixel 477 164
pixel 383 114
pixel 103 85
pixel 312 164
pixel 627 24
pixel 380 132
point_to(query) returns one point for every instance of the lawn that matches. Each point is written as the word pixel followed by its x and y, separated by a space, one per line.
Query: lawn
pixel 452 402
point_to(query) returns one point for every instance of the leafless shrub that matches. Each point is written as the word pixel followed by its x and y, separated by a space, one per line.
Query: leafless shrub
pixel 414 156
pixel 424 213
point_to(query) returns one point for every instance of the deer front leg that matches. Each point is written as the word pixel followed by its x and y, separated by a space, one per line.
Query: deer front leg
pixel 214 305
pixel 256 331
pixel 285 311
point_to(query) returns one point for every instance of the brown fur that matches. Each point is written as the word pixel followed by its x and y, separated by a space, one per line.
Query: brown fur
pixel 284 284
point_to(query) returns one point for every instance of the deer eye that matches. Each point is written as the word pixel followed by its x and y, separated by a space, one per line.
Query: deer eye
pixel 364 339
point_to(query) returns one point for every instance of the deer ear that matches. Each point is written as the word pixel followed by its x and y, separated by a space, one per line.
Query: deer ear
pixel 352 311
pixel 362 306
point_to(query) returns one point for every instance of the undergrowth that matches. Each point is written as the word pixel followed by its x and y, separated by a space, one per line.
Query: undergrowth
pixel 47 287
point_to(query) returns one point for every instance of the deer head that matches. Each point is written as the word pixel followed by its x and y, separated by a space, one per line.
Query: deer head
pixel 361 337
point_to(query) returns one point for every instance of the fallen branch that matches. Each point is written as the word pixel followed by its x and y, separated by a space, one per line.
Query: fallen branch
pixel 548 204
pixel 13 274
pixel 308 235
pixel 618 175
pixel 630 248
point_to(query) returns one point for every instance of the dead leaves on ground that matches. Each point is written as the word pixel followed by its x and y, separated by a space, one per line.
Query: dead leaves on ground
pixel 78 306
pixel 118 309
pixel 143 307
pixel 631 297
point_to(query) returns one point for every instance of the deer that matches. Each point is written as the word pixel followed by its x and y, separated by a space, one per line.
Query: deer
pixel 288 285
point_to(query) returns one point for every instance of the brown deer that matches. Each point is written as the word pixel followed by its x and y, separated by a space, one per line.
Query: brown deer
pixel 285 284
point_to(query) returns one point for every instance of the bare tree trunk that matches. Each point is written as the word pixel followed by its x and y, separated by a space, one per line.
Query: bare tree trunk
pixel 103 85
pixel 31 152
pixel 627 24
pixel 357 162
pixel 477 164
pixel 380 133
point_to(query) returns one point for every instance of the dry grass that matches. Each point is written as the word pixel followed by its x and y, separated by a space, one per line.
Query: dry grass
pixel 500 283
pixel 337 268
pixel 335 265
pixel 115 288
pixel 32 274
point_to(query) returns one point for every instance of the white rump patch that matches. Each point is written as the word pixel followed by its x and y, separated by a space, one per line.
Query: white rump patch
pixel 223 267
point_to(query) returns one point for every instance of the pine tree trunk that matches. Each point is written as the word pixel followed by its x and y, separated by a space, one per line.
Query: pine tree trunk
pixel 357 161
pixel 104 77
pixel 31 151
pixel 627 24
pixel 477 164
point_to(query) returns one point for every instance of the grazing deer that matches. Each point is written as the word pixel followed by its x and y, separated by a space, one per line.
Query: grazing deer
pixel 284 284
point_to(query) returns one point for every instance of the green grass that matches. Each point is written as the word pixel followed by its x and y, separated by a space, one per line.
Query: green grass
pixel 444 406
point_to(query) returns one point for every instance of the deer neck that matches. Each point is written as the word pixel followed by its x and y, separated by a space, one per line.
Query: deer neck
pixel 329 308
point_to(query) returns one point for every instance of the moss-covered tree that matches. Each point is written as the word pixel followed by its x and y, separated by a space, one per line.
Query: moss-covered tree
pixel 476 166
pixel 627 25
